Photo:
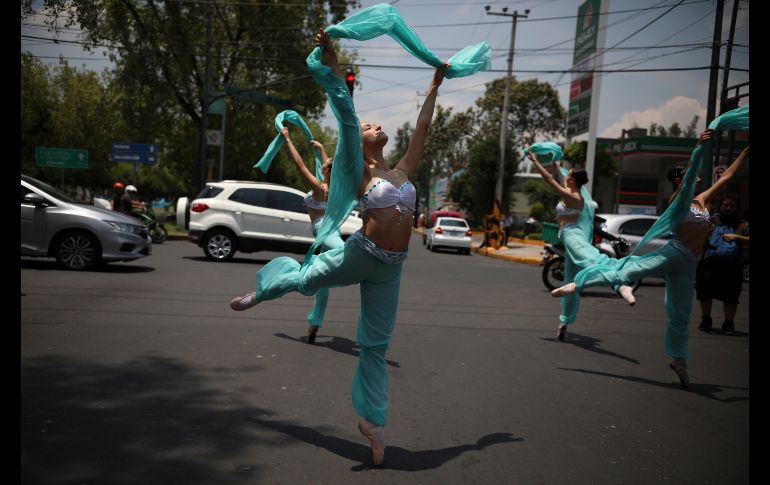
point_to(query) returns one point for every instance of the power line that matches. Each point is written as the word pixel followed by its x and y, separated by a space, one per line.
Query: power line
pixel 465 24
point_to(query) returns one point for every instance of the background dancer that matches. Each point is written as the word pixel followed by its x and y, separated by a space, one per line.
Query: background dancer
pixel 315 200
pixel 677 260
pixel 575 215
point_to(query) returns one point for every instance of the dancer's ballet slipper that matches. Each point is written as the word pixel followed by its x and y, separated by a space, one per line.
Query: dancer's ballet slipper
pixel 376 436
pixel 312 330
pixel 562 333
pixel 564 290
pixel 628 294
pixel 240 303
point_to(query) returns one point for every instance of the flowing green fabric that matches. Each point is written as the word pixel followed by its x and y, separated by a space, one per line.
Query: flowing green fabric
pixel 737 119
pixel 348 166
pixel 383 19
pixel 294 118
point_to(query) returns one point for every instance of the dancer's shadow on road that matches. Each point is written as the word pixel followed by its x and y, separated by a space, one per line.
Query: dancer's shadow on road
pixel 396 458
pixel 338 344
pixel 590 344
pixel 706 390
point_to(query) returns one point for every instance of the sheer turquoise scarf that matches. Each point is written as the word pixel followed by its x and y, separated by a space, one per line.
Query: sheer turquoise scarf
pixel 294 118
pixel 348 164
pixel 737 119
pixel 382 19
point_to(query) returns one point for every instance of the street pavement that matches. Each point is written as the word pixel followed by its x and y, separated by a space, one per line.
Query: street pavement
pixel 140 373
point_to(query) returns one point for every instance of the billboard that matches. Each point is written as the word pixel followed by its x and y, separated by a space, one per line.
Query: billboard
pixel 583 59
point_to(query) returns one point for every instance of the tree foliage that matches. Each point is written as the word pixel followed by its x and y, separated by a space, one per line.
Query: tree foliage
pixel 159 51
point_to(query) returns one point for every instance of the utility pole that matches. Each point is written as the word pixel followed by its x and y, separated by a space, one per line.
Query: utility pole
pixel 724 105
pixel 497 207
pixel 620 169
pixel 204 104
pixel 506 100
pixel 713 80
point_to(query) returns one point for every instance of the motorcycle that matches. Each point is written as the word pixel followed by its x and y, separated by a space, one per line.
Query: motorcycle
pixel 553 259
pixel 158 233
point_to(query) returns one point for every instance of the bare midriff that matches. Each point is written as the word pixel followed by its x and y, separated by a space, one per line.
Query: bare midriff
pixel 315 213
pixel 380 226
pixel 564 220
pixel 693 235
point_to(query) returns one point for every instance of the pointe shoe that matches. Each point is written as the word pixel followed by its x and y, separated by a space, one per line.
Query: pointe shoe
pixel 240 303
pixel 376 436
pixel 562 333
pixel 311 331
pixel 564 290
pixel 628 294
pixel 680 367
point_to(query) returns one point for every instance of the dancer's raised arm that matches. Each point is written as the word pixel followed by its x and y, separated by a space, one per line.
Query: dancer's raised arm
pixel 563 191
pixel 413 154
pixel 306 174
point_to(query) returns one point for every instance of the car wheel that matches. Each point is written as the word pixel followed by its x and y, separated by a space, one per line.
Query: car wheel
pixel 219 245
pixel 78 250
pixel 553 273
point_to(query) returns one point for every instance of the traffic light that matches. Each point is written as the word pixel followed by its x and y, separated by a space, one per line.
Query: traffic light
pixel 350 79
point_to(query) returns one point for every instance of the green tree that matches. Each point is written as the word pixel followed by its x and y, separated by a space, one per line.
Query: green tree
pixel 542 200
pixel 472 187
pixel 690 132
pixel 159 50
pixel 535 111
pixel 675 130
pixel 604 165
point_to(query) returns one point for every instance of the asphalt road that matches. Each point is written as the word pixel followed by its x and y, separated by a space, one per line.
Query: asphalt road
pixel 140 373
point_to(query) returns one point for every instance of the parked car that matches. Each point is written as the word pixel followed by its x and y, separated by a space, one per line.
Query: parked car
pixel 631 227
pixel 78 235
pixel 449 233
pixel 432 221
pixel 230 216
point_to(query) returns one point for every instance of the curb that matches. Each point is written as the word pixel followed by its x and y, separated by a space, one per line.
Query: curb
pixel 506 257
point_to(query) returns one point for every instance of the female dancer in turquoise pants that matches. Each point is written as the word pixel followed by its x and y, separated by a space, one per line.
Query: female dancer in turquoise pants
pixel 315 200
pixel 371 257
pixel 676 261
pixel 575 215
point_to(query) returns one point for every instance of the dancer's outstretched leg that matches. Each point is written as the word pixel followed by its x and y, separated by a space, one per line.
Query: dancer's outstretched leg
pixel 316 316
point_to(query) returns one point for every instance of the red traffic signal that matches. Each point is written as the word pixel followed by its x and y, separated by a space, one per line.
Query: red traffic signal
pixel 350 79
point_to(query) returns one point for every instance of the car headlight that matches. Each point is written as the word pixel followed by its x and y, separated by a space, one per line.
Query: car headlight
pixel 123 227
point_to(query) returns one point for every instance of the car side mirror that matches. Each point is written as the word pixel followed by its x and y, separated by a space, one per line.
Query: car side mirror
pixel 36 199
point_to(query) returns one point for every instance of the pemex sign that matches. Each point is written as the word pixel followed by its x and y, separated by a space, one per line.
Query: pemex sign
pixel 583 59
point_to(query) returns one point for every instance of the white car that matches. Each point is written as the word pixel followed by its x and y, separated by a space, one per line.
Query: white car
pixel 230 216
pixel 631 227
pixel 450 233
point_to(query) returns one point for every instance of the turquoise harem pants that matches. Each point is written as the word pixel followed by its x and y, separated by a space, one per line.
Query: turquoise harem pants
pixel 379 283
pixel 579 254
pixel 677 264
pixel 316 315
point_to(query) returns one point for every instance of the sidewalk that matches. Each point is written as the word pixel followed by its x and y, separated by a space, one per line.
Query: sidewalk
pixel 518 250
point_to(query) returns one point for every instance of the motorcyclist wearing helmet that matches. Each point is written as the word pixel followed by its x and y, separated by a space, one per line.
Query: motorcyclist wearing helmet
pixel 118 187
pixel 126 200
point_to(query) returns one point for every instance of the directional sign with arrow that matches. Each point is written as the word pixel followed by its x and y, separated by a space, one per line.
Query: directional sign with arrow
pixel 134 153
pixel 61 157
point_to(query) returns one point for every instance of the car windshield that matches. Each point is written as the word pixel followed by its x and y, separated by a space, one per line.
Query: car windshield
pixel 452 223
pixel 54 192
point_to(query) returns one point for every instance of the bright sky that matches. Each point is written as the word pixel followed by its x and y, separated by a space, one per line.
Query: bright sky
pixel 388 96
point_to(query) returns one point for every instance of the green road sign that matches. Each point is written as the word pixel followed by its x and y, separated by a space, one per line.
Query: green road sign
pixel 61 157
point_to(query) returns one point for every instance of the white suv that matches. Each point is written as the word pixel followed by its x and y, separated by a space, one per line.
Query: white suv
pixel 230 216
